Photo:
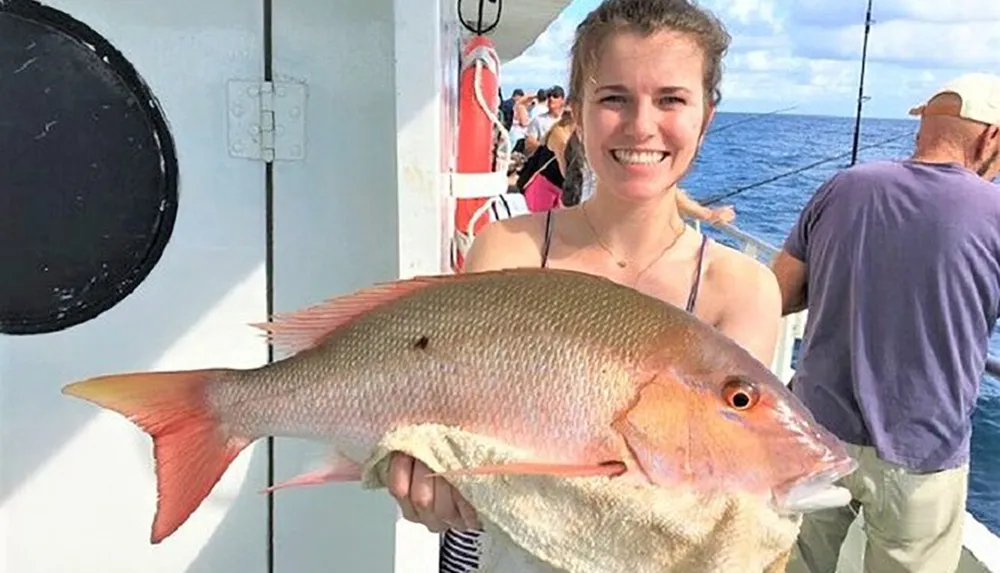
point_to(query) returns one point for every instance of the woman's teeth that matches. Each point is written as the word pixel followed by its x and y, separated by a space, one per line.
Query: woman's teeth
pixel 632 157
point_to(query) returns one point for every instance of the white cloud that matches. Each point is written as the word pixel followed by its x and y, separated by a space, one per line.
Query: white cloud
pixel 908 43
pixel 546 62
pixel 957 11
pixel 807 52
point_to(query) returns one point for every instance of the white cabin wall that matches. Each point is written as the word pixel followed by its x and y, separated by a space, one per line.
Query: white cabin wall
pixel 77 492
pixel 427 53
pixel 365 205
pixel 4 451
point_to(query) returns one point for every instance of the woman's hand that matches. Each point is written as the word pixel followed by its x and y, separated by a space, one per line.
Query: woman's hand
pixel 430 501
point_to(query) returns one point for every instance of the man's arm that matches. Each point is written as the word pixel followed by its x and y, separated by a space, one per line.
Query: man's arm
pixel 790 267
pixel 791 275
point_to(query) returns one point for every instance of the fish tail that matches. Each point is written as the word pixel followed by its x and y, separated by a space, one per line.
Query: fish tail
pixel 191 448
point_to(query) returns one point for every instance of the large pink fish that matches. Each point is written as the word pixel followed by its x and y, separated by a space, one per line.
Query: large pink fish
pixel 592 377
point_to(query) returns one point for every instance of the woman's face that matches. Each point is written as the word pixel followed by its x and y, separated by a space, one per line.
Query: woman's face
pixel 643 113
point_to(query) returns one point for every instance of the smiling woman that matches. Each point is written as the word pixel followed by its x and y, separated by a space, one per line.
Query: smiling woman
pixel 645 82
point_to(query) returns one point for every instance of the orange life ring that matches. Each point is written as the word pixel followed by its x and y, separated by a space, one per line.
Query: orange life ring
pixel 475 128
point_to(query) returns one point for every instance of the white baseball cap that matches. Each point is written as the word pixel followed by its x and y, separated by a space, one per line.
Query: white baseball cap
pixel 980 95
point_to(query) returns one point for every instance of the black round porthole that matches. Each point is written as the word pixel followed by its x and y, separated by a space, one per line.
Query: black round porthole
pixel 88 172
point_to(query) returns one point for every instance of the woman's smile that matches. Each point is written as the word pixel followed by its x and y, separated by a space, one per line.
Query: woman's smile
pixel 638 156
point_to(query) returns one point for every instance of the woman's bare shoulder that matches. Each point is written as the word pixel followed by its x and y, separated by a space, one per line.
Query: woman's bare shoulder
pixel 730 264
pixel 746 298
pixel 508 243
pixel 741 284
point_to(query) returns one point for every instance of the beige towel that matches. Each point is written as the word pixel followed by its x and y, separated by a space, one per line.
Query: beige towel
pixel 544 524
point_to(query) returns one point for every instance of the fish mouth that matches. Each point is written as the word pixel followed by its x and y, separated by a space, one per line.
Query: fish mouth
pixel 816 491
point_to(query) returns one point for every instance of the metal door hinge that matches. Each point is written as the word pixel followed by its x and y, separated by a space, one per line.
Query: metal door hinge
pixel 266 120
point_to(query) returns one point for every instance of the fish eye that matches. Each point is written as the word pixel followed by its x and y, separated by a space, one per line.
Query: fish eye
pixel 739 393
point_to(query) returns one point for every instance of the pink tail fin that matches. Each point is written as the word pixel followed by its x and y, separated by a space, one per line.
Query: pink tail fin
pixel 190 447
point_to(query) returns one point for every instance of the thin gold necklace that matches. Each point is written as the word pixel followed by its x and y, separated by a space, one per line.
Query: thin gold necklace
pixel 622 263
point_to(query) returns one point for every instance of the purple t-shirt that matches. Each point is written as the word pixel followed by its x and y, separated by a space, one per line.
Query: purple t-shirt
pixel 903 291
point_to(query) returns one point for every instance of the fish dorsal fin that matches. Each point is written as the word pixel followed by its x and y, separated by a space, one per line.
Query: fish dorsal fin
pixel 303 329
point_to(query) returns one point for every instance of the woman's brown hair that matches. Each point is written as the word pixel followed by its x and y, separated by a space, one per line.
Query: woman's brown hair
pixel 647 17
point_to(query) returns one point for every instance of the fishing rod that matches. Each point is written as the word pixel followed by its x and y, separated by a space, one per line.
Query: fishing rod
pixel 797 170
pixel 861 85
pixel 749 119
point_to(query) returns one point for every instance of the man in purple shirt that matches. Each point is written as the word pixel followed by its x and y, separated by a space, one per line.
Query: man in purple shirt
pixel 898 263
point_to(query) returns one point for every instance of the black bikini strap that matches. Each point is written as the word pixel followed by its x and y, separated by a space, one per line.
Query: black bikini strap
pixel 547 243
pixel 697 275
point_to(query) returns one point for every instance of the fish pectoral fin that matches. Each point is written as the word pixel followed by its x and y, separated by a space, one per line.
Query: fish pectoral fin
pixel 337 470
pixel 610 468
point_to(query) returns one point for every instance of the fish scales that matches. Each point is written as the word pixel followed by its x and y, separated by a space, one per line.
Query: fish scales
pixel 463 354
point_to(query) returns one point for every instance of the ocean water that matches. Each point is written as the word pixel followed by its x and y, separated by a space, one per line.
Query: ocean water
pixel 744 149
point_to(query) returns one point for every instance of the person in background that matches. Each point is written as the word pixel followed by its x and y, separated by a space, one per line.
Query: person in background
pixel 644 83
pixel 695 210
pixel 542 122
pixel 516 118
pixel 538 104
pixel 898 263
pixel 507 106
pixel 542 177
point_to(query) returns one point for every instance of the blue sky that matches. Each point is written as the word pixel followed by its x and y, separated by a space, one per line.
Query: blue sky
pixel 806 53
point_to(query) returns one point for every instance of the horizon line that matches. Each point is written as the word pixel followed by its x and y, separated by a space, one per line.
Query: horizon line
pixel 827 115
